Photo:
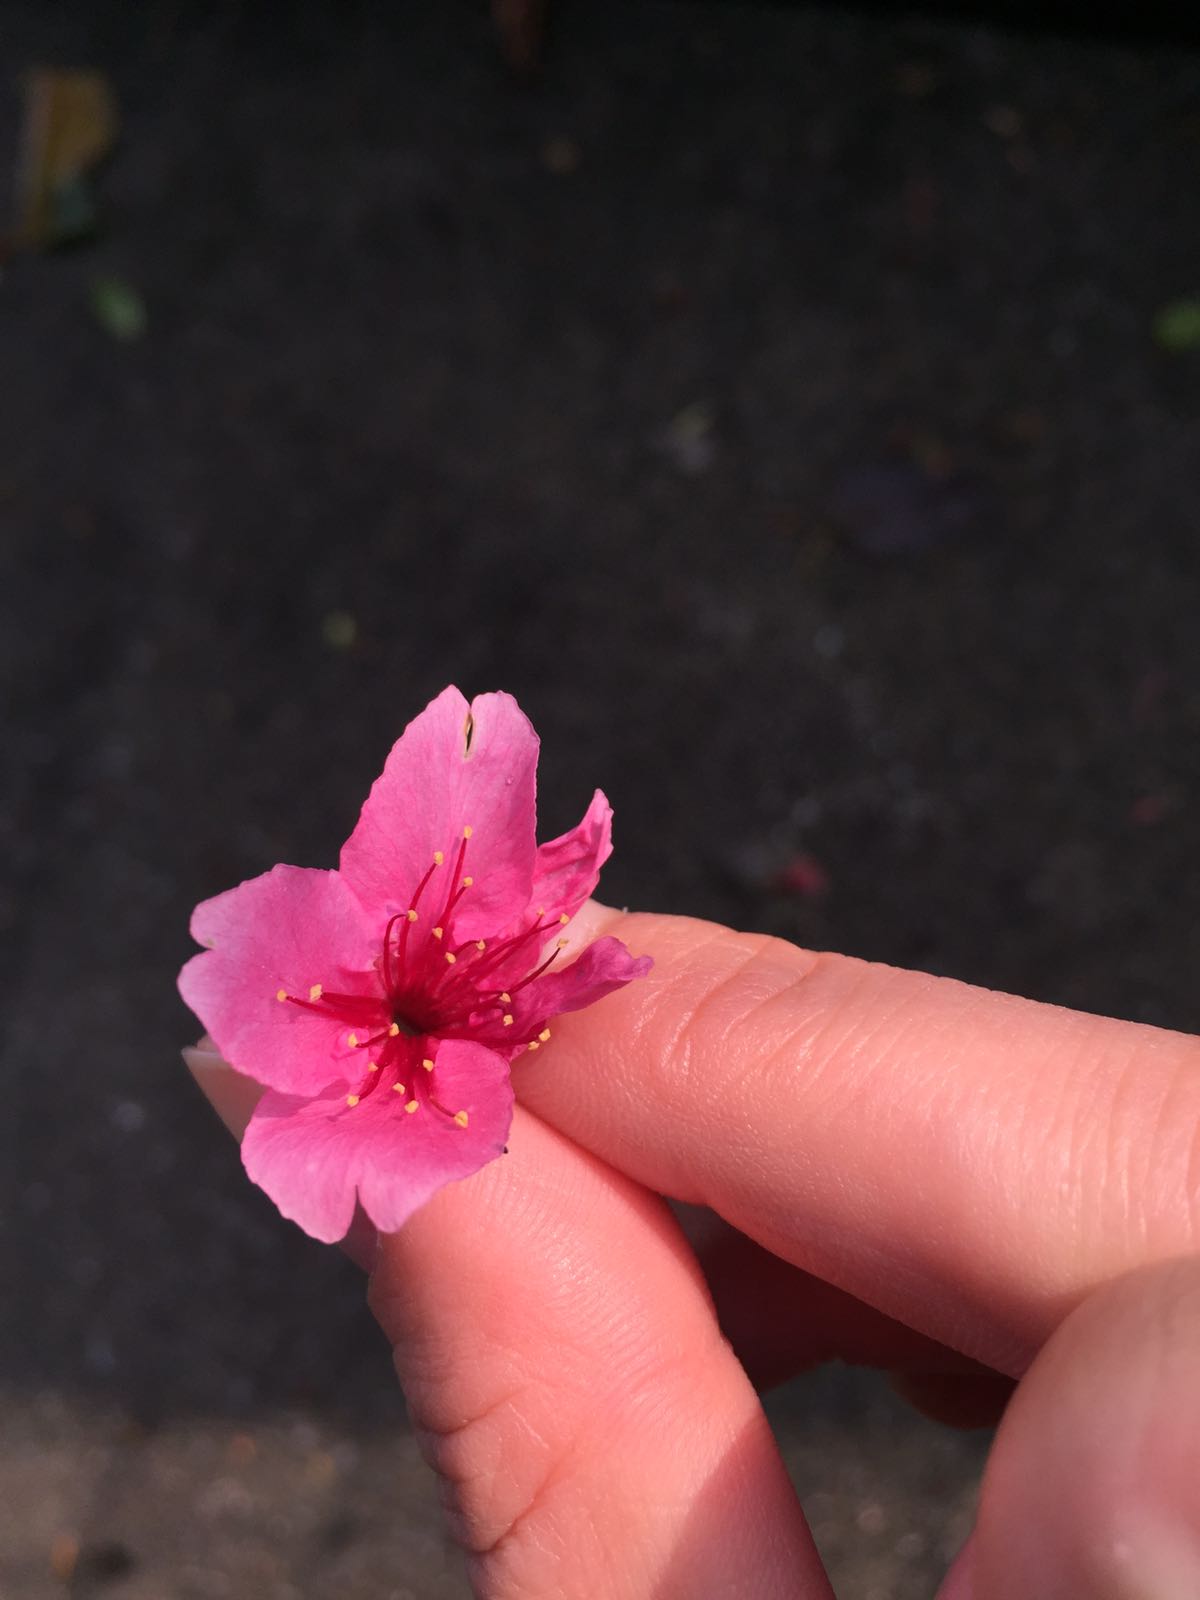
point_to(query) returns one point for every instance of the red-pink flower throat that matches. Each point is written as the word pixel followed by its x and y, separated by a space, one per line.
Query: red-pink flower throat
pixel 432 989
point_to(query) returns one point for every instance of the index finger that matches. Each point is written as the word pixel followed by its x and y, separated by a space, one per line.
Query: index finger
pixel 968 1162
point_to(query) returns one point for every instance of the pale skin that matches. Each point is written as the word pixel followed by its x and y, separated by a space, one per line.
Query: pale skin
pixel 959 1186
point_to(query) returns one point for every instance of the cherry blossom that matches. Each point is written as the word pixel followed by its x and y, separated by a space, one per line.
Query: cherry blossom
pixel 381 1004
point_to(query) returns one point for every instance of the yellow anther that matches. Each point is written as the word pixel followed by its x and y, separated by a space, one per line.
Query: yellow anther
pixel 468 831
pixel 372 1066
pixel 393 1030
pixel 413 1105
pixel 438 858
pixel 412 915
pixel 544 1035
pixel 533 1045
pixel 507 1019
pixel 315 992
pixel 427 1064
pixel 564 919
pixel 281 994
pixel 351 1099
pixel 397 1088
pixel 481 944
pixel 451 957
pixel 461 1118
pixel 506 999
pixel 467 882
pixel 561 944
pixel 353 1041
pixel 438 932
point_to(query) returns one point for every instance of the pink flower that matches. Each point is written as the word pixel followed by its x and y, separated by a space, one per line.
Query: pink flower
pixel 381 1004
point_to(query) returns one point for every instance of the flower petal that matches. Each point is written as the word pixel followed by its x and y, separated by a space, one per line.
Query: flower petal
pixel 288 929
pixel 294 1148
pixel 314 1156
pixel 454 767
pixel 568 868
pixel 566 871
pixel 604 966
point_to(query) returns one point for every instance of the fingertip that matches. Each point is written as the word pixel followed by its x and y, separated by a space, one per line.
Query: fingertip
pixel 363 1242
pixel 202 1058
pixel 959 1582
pixel 232 1095
pixel 968 1162
pixel 548 1322
pixel 1091 1487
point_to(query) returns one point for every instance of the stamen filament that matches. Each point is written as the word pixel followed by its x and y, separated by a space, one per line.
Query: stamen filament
pixel 496 953
pixel 458 885
pixel 537 971
pixel 387 943
pixel 411 916
pixel 361 1006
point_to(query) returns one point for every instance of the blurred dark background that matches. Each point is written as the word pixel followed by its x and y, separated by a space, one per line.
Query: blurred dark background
pixel 797 409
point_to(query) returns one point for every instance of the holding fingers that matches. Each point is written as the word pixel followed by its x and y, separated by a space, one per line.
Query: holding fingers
pixel 592 1433
pixel 969 1163
pixel 909 1172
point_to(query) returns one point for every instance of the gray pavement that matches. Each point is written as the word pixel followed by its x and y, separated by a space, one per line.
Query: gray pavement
pixel 768 399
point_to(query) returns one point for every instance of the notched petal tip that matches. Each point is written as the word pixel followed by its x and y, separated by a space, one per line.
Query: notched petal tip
pixel 458 765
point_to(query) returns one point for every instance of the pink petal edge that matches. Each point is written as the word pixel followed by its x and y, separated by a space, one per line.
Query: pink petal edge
pixel 286 929
pixel 602 967
pixel 313 1157
pixel 568 868
pixel 435 783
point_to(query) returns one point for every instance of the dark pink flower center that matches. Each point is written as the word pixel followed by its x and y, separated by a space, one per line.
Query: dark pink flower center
pixel 430 988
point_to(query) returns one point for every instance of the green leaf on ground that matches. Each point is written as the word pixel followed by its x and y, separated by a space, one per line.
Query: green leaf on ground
pixel 118 308
pixel 339 629
pixel 1177 325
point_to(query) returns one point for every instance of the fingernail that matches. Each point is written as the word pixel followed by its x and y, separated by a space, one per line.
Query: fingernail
pixel 199 1058
pixel 232 1095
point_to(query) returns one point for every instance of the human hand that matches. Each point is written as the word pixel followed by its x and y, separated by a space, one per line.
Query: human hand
pixel 961 1186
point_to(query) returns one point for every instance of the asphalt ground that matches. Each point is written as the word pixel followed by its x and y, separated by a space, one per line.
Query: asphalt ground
pixel 772 401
